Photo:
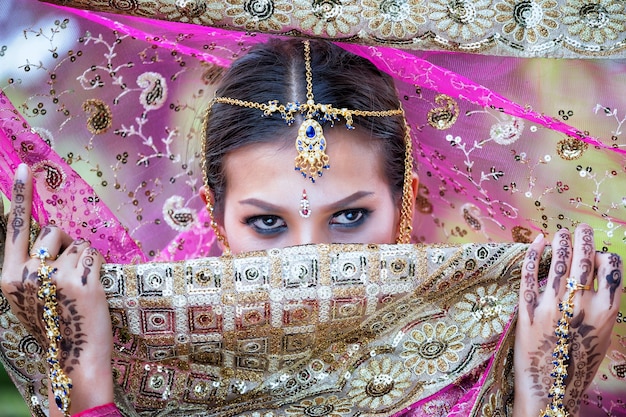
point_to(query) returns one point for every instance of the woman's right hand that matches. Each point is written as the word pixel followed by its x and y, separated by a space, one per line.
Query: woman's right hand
pixel 85 323
pixel 592 318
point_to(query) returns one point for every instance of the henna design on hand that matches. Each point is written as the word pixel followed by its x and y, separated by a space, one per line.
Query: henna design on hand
pixel 28 308
pixel 541 366
pixel 588 246
pixel 530 295
pixel 560 265
pixel 45 232
pixel 73 249
pixel 614 279
pixel 30 276
pixel 587 271
pixel 583 363
pixel 71 331
pixel 588 249
pixel 19 211
pixel 88 262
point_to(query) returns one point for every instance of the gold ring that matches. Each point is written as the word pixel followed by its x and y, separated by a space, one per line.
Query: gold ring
pixel 582 287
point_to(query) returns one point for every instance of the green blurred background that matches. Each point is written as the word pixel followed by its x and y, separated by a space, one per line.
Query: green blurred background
pixel 11 403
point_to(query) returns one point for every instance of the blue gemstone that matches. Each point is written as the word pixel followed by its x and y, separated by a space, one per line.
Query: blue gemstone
pixel 310 132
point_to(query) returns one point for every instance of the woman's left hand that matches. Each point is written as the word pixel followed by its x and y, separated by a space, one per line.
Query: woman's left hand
pixel 82 311
pixel 593 317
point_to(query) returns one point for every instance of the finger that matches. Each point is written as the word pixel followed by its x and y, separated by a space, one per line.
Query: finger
pixel 610 273
pixel 529 286
pixel 583 260
pixel 53 239
pixel 90 263
pixel 16 245
pixel 560 266
pixel 71 255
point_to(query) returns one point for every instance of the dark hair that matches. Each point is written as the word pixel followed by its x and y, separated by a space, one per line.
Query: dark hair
pixel 276 71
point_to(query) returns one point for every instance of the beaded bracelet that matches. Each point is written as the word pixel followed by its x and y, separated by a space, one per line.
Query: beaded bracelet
pixel 560 354
pixel 60 383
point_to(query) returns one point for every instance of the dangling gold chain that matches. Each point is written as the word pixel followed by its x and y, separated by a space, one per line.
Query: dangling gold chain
pixel 560 354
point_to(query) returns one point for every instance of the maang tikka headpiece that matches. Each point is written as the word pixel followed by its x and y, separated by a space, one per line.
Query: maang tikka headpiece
pixel 311 144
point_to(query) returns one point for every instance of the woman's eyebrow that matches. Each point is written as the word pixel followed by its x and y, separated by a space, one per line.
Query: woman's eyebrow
pixel 264 205
pixel 348 200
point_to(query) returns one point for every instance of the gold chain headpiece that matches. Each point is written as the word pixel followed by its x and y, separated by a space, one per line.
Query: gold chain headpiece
pixel 311 144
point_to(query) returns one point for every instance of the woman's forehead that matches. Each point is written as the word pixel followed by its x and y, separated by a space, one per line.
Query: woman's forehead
pixel 353 158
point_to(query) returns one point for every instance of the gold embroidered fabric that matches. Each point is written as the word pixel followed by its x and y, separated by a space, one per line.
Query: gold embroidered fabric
pixel 538 28
pixel 366 329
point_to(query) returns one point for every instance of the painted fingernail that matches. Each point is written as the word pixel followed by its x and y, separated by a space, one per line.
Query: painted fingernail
pixel 21 172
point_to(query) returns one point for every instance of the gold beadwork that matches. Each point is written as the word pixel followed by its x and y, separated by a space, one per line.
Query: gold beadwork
pixel 209 205
pixel 60 383
pixel 220 237
pixel 406 211
pixel 560 354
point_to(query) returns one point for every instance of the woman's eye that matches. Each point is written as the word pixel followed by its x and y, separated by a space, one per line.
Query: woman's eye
pixel 266 224
pixel 350 218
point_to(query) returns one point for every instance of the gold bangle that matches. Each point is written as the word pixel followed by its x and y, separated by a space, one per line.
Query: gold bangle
pixel 60 383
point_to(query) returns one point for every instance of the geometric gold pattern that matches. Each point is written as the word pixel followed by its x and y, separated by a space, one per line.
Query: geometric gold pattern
pixel 371 329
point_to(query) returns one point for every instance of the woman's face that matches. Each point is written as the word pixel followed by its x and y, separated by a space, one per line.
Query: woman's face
pixel 351 203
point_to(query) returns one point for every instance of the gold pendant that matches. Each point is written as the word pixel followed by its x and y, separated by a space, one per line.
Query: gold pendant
pixel 311 147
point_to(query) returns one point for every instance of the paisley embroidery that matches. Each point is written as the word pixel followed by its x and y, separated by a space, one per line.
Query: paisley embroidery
pixel 176 215
pixel 154 90
pixel 445 116
pixel 55 177
pixel 471 215
pixel 100 119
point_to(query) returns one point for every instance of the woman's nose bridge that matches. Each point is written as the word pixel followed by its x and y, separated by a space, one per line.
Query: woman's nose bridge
pixel 310 233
